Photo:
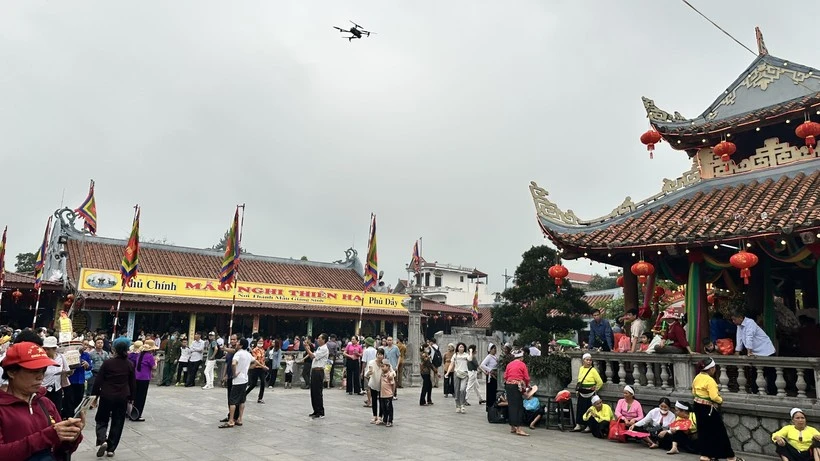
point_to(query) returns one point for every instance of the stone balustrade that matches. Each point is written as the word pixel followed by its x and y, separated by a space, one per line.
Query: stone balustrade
pixel 750 413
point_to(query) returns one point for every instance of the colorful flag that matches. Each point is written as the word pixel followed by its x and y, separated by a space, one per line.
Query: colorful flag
pixel 475 303
pixel 88 211
pixel 230 263
pixel 371 268
pixel 415 263
pixel 3 257
pixel 131 257
pixel 40 259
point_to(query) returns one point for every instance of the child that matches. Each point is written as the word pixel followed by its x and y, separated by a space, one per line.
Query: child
pixel 184 356
pixel 388 382
pixel 288 371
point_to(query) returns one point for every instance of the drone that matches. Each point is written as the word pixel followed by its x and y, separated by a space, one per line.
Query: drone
pixel 356 31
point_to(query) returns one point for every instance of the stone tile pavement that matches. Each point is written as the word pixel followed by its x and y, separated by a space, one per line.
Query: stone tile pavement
pixel 182 425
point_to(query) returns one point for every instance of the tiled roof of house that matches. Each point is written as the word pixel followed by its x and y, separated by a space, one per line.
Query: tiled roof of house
pixel 580 278
pixel 594 299
pixel 106 254
pixel 428 306
pixel 786 199
pixel 15 278
pixel 485 318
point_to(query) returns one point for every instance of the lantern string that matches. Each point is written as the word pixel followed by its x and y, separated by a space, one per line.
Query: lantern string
pixel 719 28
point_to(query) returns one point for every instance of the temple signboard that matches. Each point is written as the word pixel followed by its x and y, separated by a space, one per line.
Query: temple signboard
pixel 107 281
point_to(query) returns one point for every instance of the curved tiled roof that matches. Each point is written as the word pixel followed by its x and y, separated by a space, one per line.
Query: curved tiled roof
pixel 716 210
pixel 106 254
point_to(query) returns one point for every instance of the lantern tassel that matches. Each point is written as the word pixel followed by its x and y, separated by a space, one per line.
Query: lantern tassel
pixel 810 141
pixel 745 274
pixel 558 283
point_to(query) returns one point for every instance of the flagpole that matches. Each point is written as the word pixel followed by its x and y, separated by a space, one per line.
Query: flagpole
pixel 36 308
pixel 236 269
pixel 367 261
pixel 117 315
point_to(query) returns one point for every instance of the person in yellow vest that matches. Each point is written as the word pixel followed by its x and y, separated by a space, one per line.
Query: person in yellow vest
pixel 598 417
pixel 797 441
pixel 713 439
pixel 682 434
pixel 589 381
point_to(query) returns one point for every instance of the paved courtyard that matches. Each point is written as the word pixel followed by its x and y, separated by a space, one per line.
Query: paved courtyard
pixel 182 424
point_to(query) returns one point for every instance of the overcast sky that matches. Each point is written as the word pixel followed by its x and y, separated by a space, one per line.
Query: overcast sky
pixel 437 124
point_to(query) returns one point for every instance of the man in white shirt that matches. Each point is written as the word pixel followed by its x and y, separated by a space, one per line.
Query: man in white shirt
pixel 317 374
pixel 241 361
pixel 197 348
pixel 751 337
pixel 534 350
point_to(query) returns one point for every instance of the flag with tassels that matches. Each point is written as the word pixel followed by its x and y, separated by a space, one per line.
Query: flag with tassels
pixel 415 263
pixel 40 259
pixel 230 262
pixel 131 258
pixel 475 303
pixel 88 211
pixel 371 267
pixel 3 257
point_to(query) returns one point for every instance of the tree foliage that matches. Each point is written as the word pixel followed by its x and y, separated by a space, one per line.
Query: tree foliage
pixel 223 242
pixel 602 283
pixel 25 263
pixel 533 309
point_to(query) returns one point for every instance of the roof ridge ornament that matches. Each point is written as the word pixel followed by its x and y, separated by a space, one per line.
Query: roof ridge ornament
pixel 657 114
pixel 761 45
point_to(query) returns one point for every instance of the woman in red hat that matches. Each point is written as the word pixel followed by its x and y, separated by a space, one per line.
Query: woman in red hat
pixel 30 425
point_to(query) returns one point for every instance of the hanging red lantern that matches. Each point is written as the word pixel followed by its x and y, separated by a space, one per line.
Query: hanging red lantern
pixel 449 317
pixel 620 281
pixel 435 317
pixel 744 261
pixel 659 292
pixel 650 138
pixel 808 130
pixel 724 150
pixel 643 270
pixel 710 299
pixel 17 295
pixel 558 273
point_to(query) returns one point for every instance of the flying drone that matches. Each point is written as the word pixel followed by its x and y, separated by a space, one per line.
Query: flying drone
pixel 356 31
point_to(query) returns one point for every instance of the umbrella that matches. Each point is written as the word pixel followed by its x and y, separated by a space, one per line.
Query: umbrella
pixel 567 343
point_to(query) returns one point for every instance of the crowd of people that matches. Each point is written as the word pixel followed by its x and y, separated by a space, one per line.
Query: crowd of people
pixel 117 375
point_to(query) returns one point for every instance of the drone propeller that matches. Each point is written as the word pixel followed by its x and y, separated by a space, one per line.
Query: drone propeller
pixel 357 26
pixel 339 29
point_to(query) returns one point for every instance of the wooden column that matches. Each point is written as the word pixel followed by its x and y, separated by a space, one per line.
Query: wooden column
pixel 630 289
pixel 191 327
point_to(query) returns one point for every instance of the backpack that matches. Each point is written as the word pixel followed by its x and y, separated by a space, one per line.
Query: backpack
pixel 220 352
pixel 436 357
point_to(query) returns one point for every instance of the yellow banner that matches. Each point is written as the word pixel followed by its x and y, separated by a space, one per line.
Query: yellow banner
pixel 169 285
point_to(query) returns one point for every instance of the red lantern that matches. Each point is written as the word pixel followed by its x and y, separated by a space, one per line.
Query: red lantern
pixel 710 299
pixel 650 138
pixel 558 272
pixel 16 294
pixel 809 131
pixel 620 281
pixel 435 317
pixel 643 270
pixel 449 317
pixel 744 261
pixel 724 150
pixel 659 292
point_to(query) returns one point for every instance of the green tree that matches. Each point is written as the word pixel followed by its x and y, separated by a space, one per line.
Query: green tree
pixel 533 308
pixel 602 283
pixel 223 242
pixel 25 263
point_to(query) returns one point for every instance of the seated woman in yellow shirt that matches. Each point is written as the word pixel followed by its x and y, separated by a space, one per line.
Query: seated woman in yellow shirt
pixel 682 433
pixel 597 418
pixel 797 441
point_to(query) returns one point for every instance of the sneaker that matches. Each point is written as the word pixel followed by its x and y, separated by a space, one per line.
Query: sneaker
pixel 467 403
pixel 458 409
pixel 260 401
pixel 313 415
pixel 463 410
pixel 481 402
pixel 321 416
pixel 586 430
pixel 110 454
pixel 101 449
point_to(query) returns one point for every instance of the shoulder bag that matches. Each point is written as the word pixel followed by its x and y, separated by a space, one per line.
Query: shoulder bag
pixel 579 386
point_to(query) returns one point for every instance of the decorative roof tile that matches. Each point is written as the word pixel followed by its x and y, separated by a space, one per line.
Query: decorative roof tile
pixel 15 279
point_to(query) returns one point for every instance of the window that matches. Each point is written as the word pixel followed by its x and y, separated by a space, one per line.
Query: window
pixel 462 279
pixel 438 281
pixel 427 279
pixel 418 279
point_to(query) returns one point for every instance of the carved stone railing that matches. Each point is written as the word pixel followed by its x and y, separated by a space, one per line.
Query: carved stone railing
pixel 741 379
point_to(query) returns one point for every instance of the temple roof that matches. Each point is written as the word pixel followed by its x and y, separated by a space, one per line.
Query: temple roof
pixel 769 89
pixel 106 254
pixel 784 199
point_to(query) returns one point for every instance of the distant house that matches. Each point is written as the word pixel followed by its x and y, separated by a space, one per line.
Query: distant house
pixel 580 281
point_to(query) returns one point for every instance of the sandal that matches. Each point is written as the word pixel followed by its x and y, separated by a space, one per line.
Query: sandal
pixel 225 426
pixel 522 434
pixel 238 424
